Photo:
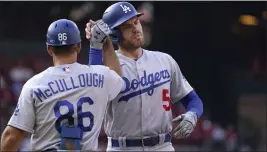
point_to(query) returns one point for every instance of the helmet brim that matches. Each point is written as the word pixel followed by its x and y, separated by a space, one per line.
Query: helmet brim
pixel 124 20
pixel 139 14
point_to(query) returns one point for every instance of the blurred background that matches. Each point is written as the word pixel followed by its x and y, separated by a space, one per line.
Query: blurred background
pixel 220 47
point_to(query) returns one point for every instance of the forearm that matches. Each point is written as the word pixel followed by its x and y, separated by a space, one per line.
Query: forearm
pixel 10 142
pixel 193 103
pixel 95 57
pixel 110 58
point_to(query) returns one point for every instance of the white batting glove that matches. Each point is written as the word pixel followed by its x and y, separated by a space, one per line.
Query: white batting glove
pixel 100 32
pixel 186 126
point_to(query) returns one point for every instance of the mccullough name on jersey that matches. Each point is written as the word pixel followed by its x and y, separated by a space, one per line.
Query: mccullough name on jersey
pixel 61 85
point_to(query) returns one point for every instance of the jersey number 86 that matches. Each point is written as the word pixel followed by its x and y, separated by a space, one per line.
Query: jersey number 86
pixel 69 115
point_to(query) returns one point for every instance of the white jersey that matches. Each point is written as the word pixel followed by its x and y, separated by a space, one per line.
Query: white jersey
pixel 79 91
pixel 143 108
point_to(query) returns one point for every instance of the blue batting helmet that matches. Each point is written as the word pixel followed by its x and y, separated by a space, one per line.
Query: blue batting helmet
pixel 117 14
pixel 63 32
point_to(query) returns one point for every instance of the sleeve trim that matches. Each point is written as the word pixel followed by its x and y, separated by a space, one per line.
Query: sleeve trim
pixel 24 128
pixel 178 99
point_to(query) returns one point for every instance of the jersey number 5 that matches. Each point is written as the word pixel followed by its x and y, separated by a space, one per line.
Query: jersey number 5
pixel 166 98
pixel 69 116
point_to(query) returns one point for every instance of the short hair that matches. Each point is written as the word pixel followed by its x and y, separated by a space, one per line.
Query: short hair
pixel 66 49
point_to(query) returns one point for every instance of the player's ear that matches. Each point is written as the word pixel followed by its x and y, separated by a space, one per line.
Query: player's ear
pixel 78 48
pixel 49 50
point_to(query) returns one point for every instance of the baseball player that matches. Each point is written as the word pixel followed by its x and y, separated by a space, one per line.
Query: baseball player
pixel 64 106
pixel 140 117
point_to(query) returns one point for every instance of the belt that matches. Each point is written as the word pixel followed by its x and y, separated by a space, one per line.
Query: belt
pixel 50 150
pixel 150 141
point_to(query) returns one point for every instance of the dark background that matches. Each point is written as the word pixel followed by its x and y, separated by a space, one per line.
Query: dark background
pixel 221 57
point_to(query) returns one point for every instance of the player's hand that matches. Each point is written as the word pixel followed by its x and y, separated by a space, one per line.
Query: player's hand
pixel 88 28
pixel 97 32
pixel 186 126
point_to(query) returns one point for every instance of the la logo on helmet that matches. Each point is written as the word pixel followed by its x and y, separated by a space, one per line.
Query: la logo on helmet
pixel 125 8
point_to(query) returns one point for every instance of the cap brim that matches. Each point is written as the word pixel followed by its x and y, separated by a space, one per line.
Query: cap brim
pixel 139 14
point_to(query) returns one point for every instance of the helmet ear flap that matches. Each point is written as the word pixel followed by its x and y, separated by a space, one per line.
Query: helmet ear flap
pixel 115 36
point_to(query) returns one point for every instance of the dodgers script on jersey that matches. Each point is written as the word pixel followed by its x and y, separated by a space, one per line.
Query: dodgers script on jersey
pixel 143 108
pixel 77 91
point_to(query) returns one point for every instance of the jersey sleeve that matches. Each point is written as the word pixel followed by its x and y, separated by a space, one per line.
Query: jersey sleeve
pixel 180 87
pixel 115 84
pixel 24 116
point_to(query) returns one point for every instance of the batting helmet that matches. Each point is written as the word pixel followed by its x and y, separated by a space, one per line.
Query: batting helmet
pixel 63 32
pixel 117 14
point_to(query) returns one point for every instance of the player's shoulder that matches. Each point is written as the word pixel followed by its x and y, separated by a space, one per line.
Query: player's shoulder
pixel 32 83
pixel 101 69
pixel 158 54
pixel 92 68
pixel 35 80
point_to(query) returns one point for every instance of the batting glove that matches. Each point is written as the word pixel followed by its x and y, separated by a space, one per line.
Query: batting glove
pixel 100 32
pixel 186 126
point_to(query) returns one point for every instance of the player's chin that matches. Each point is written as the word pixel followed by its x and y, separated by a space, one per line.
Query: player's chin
pixel 138 42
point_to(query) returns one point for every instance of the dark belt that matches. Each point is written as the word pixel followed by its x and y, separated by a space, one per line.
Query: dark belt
pixel 50 150
pixel 150 141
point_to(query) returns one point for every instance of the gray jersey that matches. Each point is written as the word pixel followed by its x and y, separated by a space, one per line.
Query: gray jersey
pixel 143 107
pixel 79 91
